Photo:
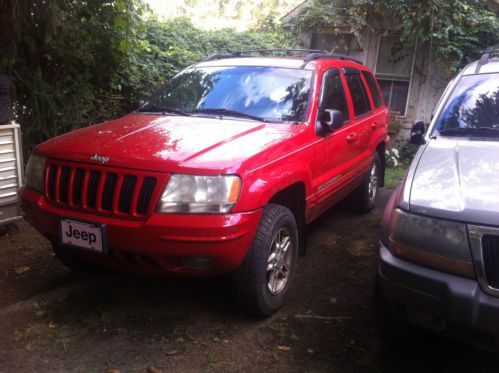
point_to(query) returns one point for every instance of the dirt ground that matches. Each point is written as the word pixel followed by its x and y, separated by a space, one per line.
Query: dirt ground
pixel 129 323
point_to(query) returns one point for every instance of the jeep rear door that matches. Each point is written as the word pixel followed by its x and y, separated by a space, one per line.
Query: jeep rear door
pixel 363 123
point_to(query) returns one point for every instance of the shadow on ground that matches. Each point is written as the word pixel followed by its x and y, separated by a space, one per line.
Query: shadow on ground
pixel 132 323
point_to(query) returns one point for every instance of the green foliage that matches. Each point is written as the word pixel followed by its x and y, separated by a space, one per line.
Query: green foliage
pixel 458 30
pixel 393 176
pixel 239 14
pixel 324 16
pixel 73 63
pixel 63 63
pixel 164 48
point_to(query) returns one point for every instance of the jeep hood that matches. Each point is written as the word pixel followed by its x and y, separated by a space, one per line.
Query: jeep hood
pixel 458 179
pixel 168 143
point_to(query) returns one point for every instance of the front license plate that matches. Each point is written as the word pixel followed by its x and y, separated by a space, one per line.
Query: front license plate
pixel 88 236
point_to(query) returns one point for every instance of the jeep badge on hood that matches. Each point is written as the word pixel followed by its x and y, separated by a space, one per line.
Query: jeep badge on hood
pixel 99 158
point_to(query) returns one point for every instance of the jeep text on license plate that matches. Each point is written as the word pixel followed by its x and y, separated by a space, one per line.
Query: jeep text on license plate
pixel 83 235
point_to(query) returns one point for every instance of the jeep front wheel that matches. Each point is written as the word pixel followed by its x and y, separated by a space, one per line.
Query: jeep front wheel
pixel 262 283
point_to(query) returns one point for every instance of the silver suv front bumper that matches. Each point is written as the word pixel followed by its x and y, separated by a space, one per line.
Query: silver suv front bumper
pixel 450 305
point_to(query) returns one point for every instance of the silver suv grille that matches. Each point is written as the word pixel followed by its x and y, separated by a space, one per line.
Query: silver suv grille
pixel 485 250
pixel 490 252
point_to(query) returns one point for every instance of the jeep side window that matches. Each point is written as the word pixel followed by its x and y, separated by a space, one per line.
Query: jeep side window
pixel 333 94
pixel 361 104
pixel 378 102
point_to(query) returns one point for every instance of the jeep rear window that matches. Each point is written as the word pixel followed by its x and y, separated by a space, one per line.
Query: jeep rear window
pixel 361 104
pixel 472 109
pixel 268 93
pixel 378 102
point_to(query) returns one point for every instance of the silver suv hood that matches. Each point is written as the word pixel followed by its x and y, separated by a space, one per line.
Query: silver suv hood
pixel 458 179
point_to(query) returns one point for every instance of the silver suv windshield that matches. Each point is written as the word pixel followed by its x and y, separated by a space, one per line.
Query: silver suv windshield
pixel 269 94
pixel 472 110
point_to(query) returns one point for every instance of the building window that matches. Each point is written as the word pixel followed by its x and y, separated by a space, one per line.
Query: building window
pixel 395 93
pixel 393 71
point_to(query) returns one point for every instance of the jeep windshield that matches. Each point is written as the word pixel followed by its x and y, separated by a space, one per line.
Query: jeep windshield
pixel 268 94
pixel 472 110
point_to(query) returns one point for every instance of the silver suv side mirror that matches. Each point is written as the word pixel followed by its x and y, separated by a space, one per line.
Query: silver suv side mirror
pixel 417 133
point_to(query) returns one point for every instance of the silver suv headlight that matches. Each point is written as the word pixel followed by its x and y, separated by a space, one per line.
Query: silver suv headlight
pixel 34 172
pixel 200 194
pixel 436 243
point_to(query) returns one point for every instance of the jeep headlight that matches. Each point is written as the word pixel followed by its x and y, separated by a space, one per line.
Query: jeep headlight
pixel 34 172
pixel 200 194
pixel 437 243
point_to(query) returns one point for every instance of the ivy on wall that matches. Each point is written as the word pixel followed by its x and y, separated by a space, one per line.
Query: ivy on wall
pixel 458 30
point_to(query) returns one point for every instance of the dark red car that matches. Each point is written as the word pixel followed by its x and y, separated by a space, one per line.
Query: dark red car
pixel 218 172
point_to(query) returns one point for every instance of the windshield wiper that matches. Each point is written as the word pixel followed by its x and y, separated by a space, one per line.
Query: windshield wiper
pixel 228 112
pixel 468 131
pixel 159 109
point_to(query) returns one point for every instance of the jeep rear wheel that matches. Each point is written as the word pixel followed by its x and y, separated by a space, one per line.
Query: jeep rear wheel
pixel 364 197
pixel 262 283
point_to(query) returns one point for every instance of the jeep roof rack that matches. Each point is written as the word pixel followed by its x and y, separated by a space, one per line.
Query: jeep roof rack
pixel 286 50
pixel 336 56
pixel 307 54
pixel 486 56
pixel 252 52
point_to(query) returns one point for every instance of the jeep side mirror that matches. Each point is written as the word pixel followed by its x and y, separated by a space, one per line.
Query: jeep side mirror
pixel 332 119
pixel 417 133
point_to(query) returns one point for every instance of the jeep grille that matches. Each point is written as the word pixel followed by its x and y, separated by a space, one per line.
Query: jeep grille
pixel 102 190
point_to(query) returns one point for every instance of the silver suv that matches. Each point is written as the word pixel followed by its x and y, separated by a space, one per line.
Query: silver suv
pixel 439 254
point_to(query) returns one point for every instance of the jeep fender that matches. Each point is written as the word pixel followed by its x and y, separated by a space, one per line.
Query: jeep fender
pixel 260 186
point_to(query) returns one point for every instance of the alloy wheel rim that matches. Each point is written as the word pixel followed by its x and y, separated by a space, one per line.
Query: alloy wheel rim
pixel 373 182
pixel 279 261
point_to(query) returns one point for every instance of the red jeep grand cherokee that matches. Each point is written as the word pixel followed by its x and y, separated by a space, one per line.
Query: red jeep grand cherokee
pixel 218 172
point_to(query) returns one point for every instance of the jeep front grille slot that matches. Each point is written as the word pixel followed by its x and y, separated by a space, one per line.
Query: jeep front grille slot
pixel 126 193
pixel 145 194
pixel 78 186
pixel 490 252
pixel 103 190
pixel 108 193
pixel 93 185
pixel 64 184
pixel 52 179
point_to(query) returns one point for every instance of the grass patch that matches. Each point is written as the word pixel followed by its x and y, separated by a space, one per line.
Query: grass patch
pixel 393 176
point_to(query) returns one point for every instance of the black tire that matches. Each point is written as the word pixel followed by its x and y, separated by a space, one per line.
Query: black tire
pixel 362 198
pixel 73 261
pixel 252 281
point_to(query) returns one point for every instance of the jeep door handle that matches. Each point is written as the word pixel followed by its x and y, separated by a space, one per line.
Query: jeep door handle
pixel 374 125
pixel 352 137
